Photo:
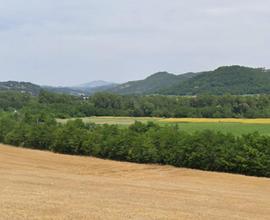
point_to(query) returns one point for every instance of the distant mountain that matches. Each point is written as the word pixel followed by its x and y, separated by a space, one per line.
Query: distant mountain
pixel 33 89
pixel 23 87
pixel 91 91
pixel 150 85
pixel 65 90
pixel 237 80
pixel 94 84
pixel 82 89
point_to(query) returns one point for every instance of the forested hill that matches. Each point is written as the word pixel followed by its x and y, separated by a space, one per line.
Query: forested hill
pixel 152 84
pixel 33 89
pixel 23 87
pixel 235 80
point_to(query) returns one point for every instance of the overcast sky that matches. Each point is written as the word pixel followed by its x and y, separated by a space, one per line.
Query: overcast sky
pixel 68 42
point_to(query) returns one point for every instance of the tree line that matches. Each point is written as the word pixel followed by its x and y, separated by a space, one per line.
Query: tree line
pixel 106 104
pixel 142 143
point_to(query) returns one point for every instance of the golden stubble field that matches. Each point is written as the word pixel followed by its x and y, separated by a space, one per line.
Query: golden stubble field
pixel 43 185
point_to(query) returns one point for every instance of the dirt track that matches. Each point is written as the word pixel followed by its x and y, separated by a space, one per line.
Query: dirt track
pixel 43 185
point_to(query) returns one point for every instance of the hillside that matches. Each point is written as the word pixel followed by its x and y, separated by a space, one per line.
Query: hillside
pixel 43 185
pixel 151 84
pixel 23 87
pixel 33 89
pixel 236 80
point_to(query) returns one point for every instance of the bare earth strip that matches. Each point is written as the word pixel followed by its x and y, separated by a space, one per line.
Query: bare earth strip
pixel 43 185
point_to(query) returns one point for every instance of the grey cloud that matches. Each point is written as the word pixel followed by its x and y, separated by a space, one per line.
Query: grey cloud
pixel 69 42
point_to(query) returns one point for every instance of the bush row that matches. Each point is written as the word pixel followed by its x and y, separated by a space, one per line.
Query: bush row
pixel 141 143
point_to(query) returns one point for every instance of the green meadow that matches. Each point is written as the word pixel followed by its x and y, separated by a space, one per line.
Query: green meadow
pixel 226 127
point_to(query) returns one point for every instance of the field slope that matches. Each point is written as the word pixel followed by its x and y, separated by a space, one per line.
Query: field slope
pixel 43 185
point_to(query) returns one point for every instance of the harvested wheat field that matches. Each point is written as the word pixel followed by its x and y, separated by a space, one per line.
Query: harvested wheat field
pixel 43 185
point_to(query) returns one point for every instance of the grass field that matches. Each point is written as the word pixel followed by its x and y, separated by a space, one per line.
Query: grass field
pixel 235 126
pixel 116 120
pixel 43 185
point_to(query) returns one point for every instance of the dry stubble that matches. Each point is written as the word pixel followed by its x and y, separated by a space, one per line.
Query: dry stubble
pixel 43 185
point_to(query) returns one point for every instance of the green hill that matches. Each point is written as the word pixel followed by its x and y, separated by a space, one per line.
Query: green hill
pixel 33 89
pixel 150 85
pixel 23 87
pixel 235 80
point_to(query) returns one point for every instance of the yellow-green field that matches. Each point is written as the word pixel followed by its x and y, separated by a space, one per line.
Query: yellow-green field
pixel 219 120
pixel 233 125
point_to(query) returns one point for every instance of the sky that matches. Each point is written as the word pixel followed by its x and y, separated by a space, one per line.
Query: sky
pixel 69 42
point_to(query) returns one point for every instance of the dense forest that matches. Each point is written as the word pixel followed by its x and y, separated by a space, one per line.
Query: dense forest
pixel 106 104
pixel 236 80
pixel 151 85
pixel 141 143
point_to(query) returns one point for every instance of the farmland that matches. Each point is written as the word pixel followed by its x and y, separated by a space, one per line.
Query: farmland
pixel 236 126
pixel 44 185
